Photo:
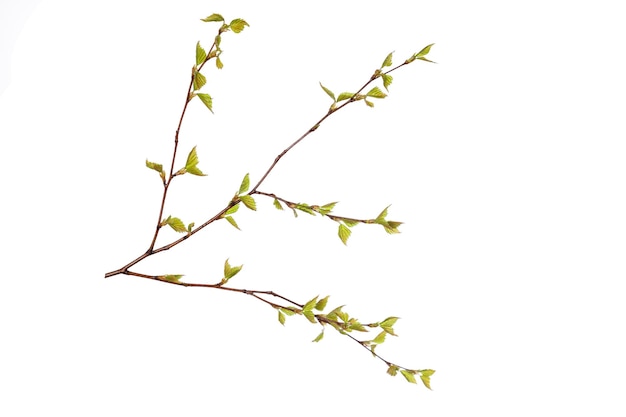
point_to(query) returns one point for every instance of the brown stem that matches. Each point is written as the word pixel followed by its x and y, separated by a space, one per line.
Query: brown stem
pixel 314 128
pixel 219 215
pixel 322 319
pixel 180 122
pixel 292 206
pixel 218 286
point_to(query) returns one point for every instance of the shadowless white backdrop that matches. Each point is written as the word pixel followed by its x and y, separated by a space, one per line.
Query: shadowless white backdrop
pixel 505 160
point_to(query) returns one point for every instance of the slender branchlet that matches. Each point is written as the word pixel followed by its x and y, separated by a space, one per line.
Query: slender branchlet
pixel 313 309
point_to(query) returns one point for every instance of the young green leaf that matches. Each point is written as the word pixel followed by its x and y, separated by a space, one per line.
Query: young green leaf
pixel 213 18
pixel 425 377
pixel 192 162
pixel 200 54
pixel 343 316
pixel 218 63
pixel 190 227
pixel 157 167
pixel 248 201
pixel 344 233
pixel 389 322
pixel 372 350
pixel 330 93
pixel 227 267
pixel 408 376
pixel 369 103
pixel 245 184
pixel 387 61
pixel 392 227
pixel 232 221
pixel 387 80
pixel 420 55
pixel 424 51
pixel 230 271
pixel 392 370
pixel 232 210
pixel 305 208
pixel 349 222
pixel 172 278
pixel 321 304
pixel 380 338
pixel 382 215
pixel 206 99
pixel 281 317
pixel 376 93
pixel 335 313
pixel 199 80
pixel 387 325
pixel 154 166
pixel 278 205
pixel 237 25
pixel 310 304
pixel 175 223
pixel 309 315
pixel 287 311
pixel 355 325
pixel 327 208
pixel 319 336
pixel 345 96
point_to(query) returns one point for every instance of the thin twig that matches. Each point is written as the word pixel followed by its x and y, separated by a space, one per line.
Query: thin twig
pixel 220 214
pixel 314 128
pixel 171 177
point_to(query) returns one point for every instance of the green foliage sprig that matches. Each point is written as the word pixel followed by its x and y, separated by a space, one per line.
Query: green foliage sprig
pixel 312 310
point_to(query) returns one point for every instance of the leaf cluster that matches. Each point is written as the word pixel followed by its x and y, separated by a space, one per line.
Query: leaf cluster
pixel 342 322
pixel 345 223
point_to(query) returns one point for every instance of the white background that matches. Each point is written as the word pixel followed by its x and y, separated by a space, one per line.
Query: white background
pixel 505 161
